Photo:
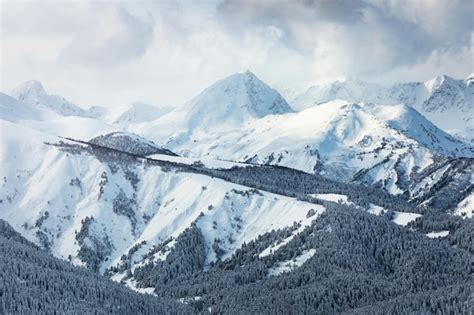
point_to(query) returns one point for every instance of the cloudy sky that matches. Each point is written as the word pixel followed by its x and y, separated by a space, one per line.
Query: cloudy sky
pixel 164 52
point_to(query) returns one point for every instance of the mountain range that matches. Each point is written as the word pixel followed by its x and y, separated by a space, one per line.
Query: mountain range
pixel 445 101
pixel 239 201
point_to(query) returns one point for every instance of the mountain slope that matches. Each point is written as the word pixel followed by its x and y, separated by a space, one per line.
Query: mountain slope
pixel 15 111
pixel 238 98
pixel 255 246
pixel 446 102
pixel 382 146
pixel 351 90
pixel 224 105
pixel 32 281
pixel 373 144
pixel 346 262
pixel 93 204
pixel 234 236
pixel 34 94
pixel 48 121
pixel 124 116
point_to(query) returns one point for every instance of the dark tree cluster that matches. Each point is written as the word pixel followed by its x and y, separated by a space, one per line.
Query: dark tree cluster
pixel 187 257
pixel 34 282
pixel 363 264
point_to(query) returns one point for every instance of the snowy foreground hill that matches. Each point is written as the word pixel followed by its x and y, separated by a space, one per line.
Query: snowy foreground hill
pixel 234 203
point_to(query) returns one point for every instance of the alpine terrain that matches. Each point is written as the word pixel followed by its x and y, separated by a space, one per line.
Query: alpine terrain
pixel 352 198
pixel 445 101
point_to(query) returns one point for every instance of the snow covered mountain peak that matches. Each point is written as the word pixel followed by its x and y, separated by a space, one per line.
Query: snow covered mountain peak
pixel 33 93
pixel 439 82
pixel 236 98
pixel 347 121
pixel 445 101
pixel 28 90
pixel 227 104
pixel 447 94
pixel 249 74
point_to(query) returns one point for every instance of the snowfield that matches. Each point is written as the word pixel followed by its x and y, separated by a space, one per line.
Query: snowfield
pixel 446 102
pixel 465 208
pixel 290 265
pixel 332 197
pixel 438 234
pixel 50 197
pixel 403 218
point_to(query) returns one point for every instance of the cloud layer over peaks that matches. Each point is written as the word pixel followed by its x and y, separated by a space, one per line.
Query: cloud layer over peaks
pixel 165 52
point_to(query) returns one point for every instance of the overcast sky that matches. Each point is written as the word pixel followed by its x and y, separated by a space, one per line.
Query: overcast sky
pixel 164 52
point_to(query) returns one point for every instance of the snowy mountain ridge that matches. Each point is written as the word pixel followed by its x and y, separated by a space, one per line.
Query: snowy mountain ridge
pixel 226 104
pixel 242 119
pixel 338 139
pixel 51 199
pixel 352 90
pixel 13 110
pixel 33 93
pixel 447 102
pixel 240 93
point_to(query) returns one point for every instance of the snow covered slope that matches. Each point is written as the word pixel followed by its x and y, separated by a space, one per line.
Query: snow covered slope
pixel 446 102
pixel 446 184
pixel 385 146
pixel 158 224
pixel 226 104
pixel 49 121
pixel 236 98
pixel 93 208
pixel 465 208
pixel 15 111
pixel 96 206
pixel 196 226
pixel 131 114
pixel 352 90
pixel 369 143
pixel 34 94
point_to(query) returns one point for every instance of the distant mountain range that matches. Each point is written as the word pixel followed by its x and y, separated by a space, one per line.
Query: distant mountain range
pixel 446 102
pixel 34 94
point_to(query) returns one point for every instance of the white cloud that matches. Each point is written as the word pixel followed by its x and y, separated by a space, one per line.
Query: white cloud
pixel 358 38
pixel 165 52
pixel 110 36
